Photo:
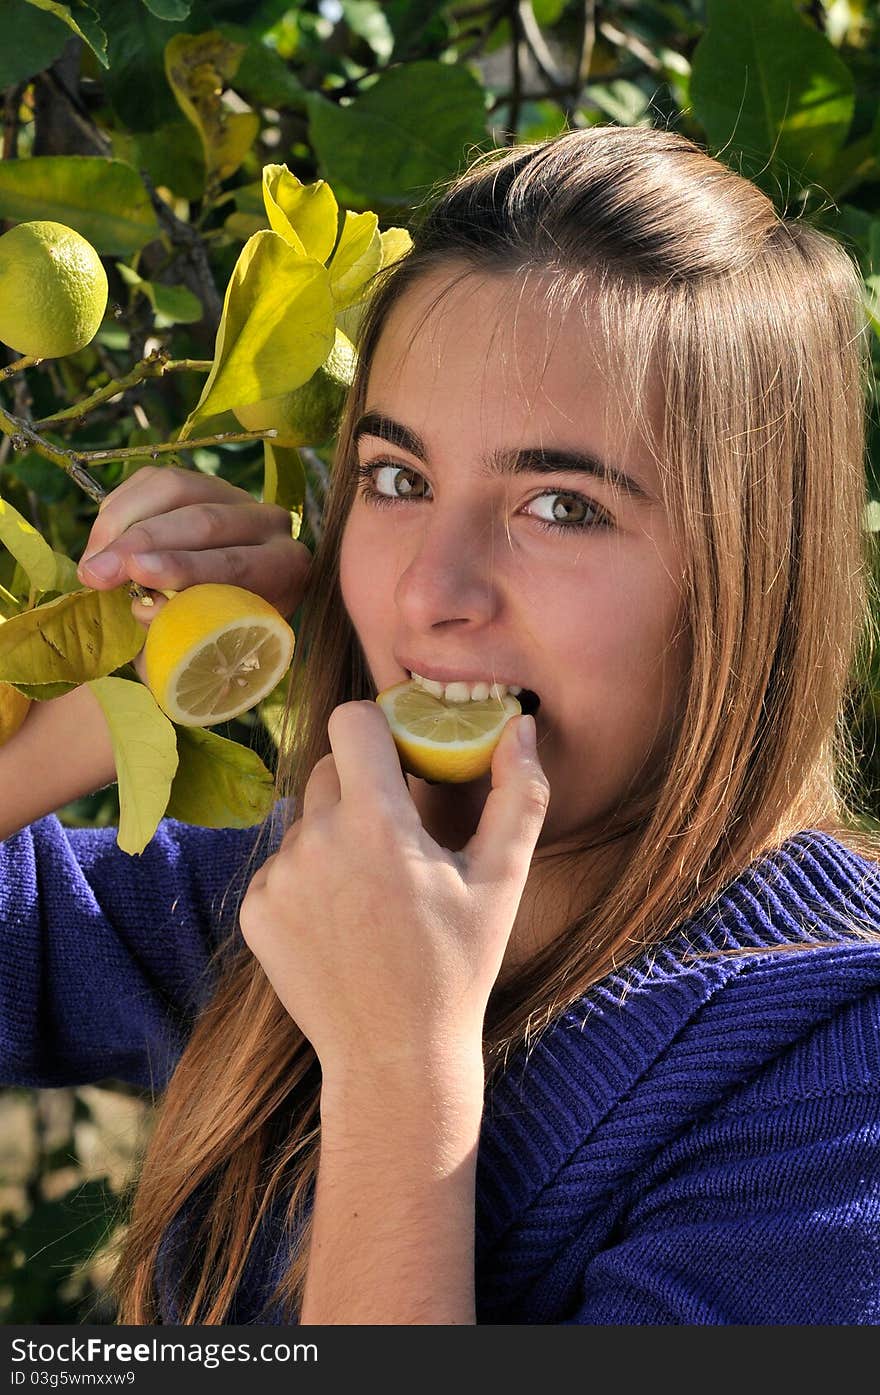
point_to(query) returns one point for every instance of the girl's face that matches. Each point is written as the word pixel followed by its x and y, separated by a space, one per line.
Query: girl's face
pixel 505 536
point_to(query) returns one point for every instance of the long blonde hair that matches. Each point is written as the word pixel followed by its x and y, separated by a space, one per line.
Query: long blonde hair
pixel 755 325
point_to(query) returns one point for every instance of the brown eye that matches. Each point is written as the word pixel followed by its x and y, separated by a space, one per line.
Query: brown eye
pixel 568 512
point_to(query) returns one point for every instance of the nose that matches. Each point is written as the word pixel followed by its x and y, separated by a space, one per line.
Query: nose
pixel 450 574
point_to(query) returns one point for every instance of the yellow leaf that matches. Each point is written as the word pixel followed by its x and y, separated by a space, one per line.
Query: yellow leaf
pixel 219 783
pixel 66 578
pixel 284 481
pixel 396 244
pixel 356 259
pixel 28 547
pixel 78 637
pixel 145 752
pixel 198 66
pixel 305 215
pixel 277 327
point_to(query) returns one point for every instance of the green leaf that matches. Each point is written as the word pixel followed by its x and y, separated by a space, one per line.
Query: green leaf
pixel 174 305
pixel 28 547
pixel 83 20
pixel 44 692
pixel 417 25
pixel 169 9
pixel 31 41
pixel 172 156
pixel 276 328
pixel 219 783
pixel 135 84
pixel 305 215
pixel 263 78
pixel 365 18
pixel 104 200
pixel 548 11
pixel 145 752
pixel 284 481
pixel 414 126
pixel 198 67
pixel 769 84
pixel 80 636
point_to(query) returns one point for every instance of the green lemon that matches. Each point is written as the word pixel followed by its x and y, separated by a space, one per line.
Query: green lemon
pixel 53 290
pixel 309 415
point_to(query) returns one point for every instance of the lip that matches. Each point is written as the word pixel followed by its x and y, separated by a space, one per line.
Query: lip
pixel 456 675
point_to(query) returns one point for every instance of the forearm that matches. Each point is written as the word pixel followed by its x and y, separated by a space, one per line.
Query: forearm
pixel 393 1224
pixel 62 752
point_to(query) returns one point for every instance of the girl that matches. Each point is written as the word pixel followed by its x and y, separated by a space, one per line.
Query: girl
pixel 592 1040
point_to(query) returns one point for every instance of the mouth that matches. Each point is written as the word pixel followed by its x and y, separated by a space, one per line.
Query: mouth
pixel 479 691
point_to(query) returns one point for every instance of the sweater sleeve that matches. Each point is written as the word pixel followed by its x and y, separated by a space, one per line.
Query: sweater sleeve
pixel 768 1211
pixel 105 955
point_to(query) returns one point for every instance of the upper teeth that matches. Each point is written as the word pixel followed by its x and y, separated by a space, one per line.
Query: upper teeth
pixel 465 692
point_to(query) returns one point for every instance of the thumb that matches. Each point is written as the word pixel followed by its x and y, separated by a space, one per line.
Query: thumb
pixel 502 846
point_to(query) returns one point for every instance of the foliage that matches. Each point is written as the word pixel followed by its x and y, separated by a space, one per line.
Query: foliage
pixel 179 135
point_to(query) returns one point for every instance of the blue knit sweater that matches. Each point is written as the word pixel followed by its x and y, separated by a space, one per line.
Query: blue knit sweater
pixel 696 1142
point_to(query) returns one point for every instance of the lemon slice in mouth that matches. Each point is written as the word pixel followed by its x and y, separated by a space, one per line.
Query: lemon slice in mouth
pixel 215 651
pixel 447 742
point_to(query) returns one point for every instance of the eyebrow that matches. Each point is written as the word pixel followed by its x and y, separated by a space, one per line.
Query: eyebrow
pixel 531 460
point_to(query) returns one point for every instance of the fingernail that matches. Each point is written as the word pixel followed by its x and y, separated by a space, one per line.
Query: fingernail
pixel 527 733
pixel 148 562
pixel 103 565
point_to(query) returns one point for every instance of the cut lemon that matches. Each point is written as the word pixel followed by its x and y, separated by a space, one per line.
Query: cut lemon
pixel 213 652
pixel 445 741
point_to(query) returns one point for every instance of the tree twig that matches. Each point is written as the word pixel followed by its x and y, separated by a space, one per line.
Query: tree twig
pixel 23 435
pixel 183 235
pixel 516 57
pixel 632 43
pixel 18 366
pixel 585 45
pixel 223 438
pixel 537 46
pixel 155 365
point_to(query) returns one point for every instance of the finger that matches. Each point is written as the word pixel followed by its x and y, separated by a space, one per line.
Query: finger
pixel 276 568
pixel 367 762
pixel 193 526
pixel 153 490
pixel 501 848
pixel 323 790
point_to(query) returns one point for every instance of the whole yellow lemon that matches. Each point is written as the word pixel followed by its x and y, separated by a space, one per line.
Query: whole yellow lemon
pixel 53 290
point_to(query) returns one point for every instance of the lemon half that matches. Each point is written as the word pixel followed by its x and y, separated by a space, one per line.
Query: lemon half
pixel 213 652
pixel 445 741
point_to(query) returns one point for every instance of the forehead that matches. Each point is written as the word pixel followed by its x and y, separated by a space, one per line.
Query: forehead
pixel 490 341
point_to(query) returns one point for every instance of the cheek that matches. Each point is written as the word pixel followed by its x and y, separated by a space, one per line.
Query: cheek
pixel 366 580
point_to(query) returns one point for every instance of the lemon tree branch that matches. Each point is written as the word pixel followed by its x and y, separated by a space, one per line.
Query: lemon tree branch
pixel 24 435
pixel 12 368
pixel 164 447
pixel 155 365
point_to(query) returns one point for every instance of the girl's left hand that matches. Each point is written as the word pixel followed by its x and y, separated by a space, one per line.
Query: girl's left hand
pixel 382 945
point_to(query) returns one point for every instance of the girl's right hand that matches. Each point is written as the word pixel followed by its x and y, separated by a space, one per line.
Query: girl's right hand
pixel 169 528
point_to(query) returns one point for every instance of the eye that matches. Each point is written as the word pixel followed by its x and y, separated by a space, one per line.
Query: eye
pixel 401 482
pixel 570 511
